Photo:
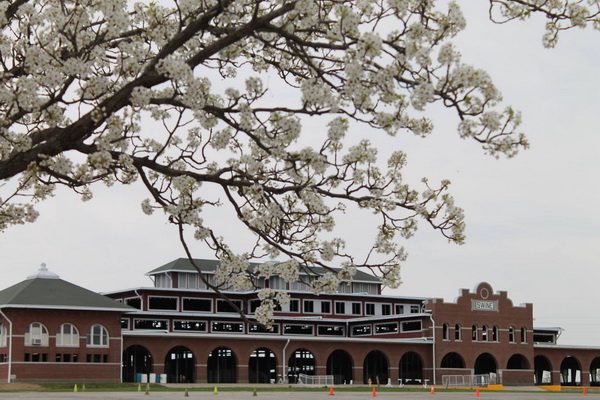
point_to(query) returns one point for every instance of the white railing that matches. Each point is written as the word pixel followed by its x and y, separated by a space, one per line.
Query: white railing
pixel 315 380
pixel 469 380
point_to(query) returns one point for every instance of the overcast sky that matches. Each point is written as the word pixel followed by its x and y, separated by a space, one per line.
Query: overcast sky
pixel 533 222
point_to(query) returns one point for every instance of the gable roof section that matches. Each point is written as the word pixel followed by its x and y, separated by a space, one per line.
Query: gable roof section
pixel 56 293
pixel 184 265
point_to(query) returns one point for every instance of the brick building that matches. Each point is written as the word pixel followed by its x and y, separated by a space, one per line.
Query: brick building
pixel 185 332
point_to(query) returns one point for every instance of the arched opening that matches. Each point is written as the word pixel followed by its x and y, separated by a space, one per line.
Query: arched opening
pixel 375 367
pixel 517 361
pixel 452 360
pixel 570 372
pixel 485 364
pixel 262 366
pixel 445 332
pixel 411 368
pixel 595 372
pixel 221 366
pixel 339 364
pixel 301 361
pixel 180 365
pixel 543 370
pixel 136 360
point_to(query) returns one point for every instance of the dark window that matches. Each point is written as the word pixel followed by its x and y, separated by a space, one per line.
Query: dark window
pixel 543 338
pixel 361 330
pixel 399 308
pixel 411 326
pixel 330 330
pixel 150 324
pixel 326 307
pixel 198 326
pixel 203 305
pixel 356 309
pixel 124 323
pixel 295 305
pixel 309 306
pixel 225 307
pixel 386 328
pixel 369 309
pixel 227 327
pixel 414 309
pixel 298 329
pixel 162 303
pixel 254 304
pixel 36 357
pixel 386 309
pixel 340 308
pixel 134 302
pixel 256 328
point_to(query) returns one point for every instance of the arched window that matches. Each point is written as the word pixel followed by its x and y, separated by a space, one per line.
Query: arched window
pixel 457 332
pixel 495 333
pixel 36 334
pixel 97 336
pixel 474 333
pixel 67 336
pixel 3 335
pixel 523 335
pixel 511 334
pixel 484 333
pixel 445 333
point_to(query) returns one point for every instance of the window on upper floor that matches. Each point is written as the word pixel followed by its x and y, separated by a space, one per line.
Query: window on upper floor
pixel 294 305
pixel 369 309
pixel 134 302
pixel 276 282
pixel 495 333
pixel 323 330
pixel 194 326
pixel 151 324
pixel 67 336
pixel 340 307
pixel 511 334
pixel 345 287
pixel 484 333
pixel 411 326
pixel 309 306
pixel 523 334
pixel 399 309
pixel 457 332
pixel 188 280
pixel 97 336
pixel 226 307
pixel 474 333
pixel 162 303
pixel 325 307
pixel 3 335
pixel 197 305
pixel 415 309
pixel 36 334
pixel 368 288
pixel 163 280
pixel 356 309
pixel 445 332
pixel 391 327
pixel 386 309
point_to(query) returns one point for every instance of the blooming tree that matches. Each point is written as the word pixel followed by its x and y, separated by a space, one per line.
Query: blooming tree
pixel 178 95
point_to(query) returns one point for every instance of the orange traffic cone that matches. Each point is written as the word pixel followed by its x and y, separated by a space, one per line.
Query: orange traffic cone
pixel 374 393
pixel 584 390
pixel 432 390
pixel 477 394
pixel 331 391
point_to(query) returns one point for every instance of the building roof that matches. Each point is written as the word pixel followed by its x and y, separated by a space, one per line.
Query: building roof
pixel 184 265
pixel 46 290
